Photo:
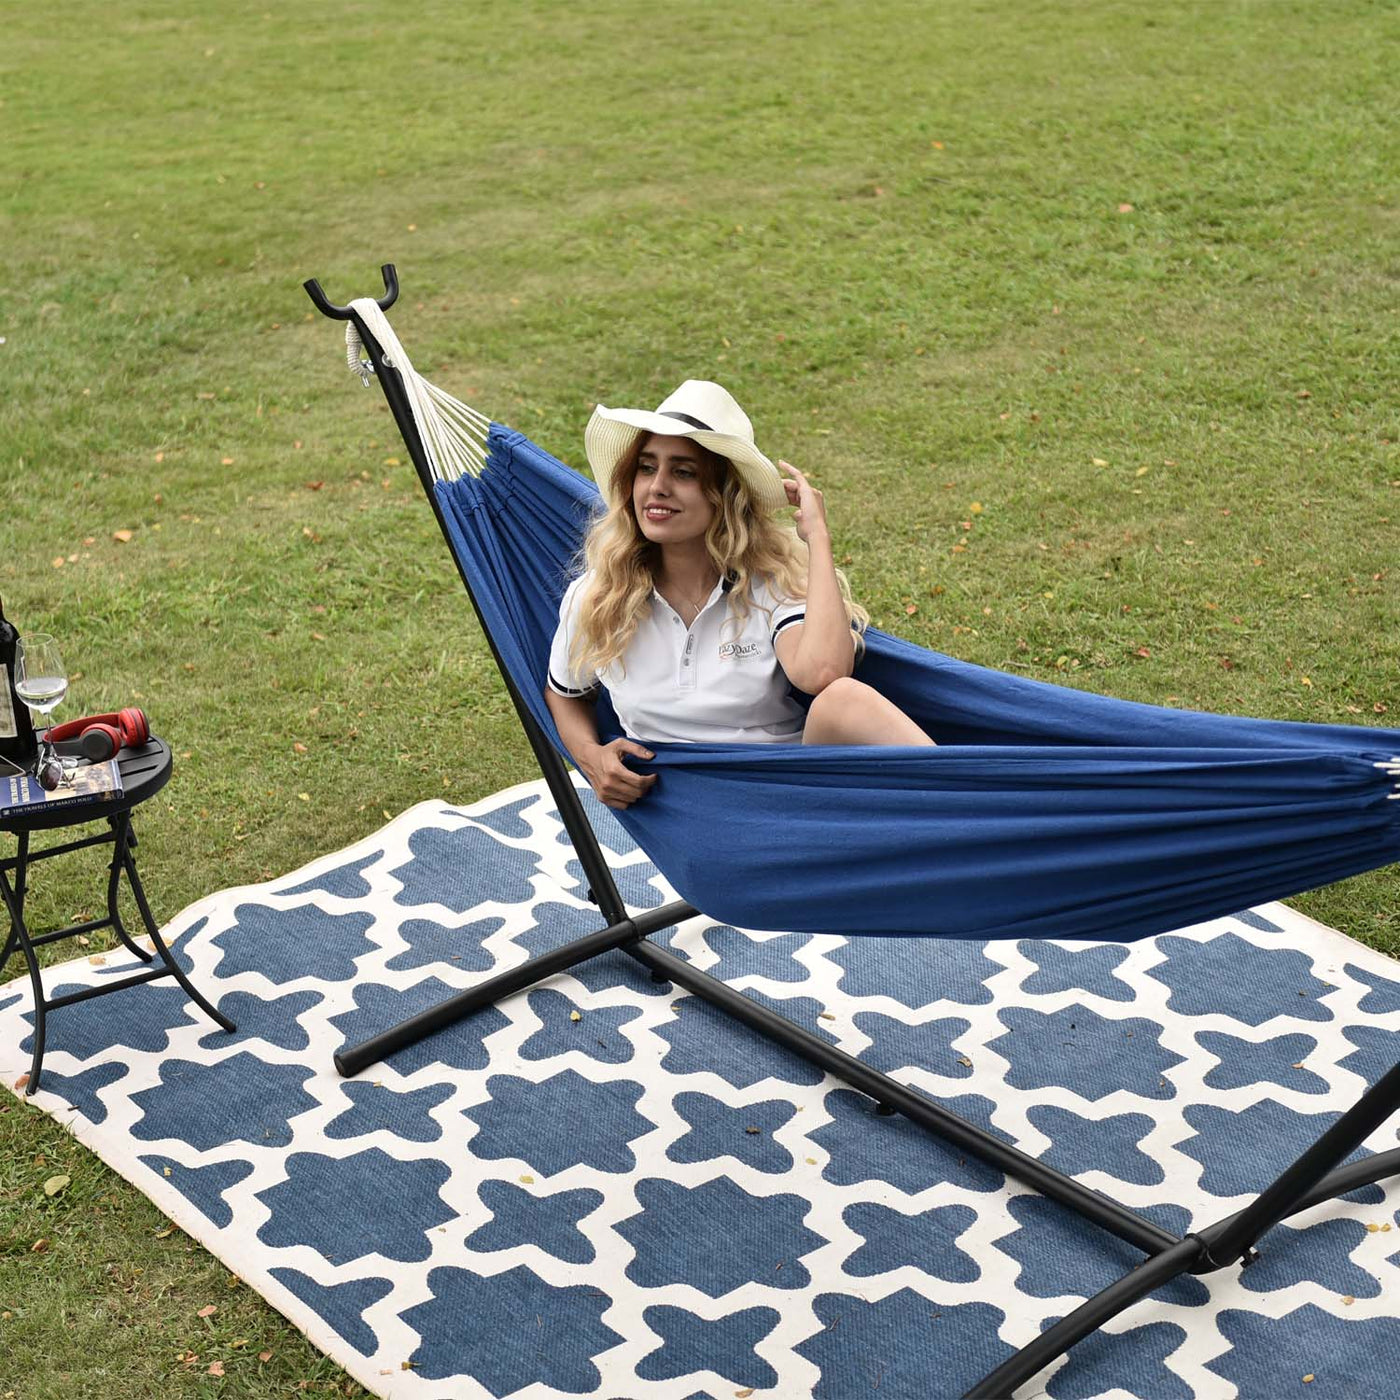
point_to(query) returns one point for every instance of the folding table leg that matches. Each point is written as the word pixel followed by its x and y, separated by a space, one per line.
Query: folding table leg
pixel 124 841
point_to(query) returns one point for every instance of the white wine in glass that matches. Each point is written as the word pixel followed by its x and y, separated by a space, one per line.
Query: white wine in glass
pixel 40 680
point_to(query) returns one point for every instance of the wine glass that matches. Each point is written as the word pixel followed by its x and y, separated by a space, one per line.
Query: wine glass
pixel 41 682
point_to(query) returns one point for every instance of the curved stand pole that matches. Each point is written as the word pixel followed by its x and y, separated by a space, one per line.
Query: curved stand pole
pixel 1187 1256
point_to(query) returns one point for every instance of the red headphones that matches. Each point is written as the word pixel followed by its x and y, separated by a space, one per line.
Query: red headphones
pixel 101 736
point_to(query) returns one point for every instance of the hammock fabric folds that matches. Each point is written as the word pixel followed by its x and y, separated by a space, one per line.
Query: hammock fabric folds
pixel 1045 812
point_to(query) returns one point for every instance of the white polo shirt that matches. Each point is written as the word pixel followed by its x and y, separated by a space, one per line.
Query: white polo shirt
pixel 714 682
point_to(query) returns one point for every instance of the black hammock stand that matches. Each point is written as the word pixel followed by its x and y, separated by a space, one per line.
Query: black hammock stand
pixel 1317 1175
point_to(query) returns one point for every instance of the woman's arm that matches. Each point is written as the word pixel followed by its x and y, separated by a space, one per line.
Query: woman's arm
pixel 822 647
pixel 617 785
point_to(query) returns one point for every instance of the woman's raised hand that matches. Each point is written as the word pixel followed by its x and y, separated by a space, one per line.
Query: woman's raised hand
pixel 615 783
pixel 811 508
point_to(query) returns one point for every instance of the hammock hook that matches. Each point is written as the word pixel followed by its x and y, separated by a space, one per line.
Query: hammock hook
pixel 344 313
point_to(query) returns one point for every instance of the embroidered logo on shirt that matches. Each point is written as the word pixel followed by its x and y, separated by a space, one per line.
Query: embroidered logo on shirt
pixel 739 651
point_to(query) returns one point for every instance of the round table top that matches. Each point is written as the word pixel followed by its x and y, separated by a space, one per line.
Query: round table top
pixel 145 769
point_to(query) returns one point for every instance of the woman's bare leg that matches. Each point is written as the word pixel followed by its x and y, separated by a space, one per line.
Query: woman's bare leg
pixel 850 712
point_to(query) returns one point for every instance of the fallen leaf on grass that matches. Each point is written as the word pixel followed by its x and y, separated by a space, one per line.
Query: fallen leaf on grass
pixel 208 1310
pixel 55 1184
pixel 267 1356
pixel 216 1368
pixel 122 536
pixel 39 1247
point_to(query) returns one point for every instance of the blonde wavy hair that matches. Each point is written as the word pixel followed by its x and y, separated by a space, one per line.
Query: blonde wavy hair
pixel 743 542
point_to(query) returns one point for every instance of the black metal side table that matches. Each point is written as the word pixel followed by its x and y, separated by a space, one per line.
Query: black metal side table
pixel 145 770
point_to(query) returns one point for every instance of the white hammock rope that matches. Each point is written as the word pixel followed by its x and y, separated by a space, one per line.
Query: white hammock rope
pixel 453 434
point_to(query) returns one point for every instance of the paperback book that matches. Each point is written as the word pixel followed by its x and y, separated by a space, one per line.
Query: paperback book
pixel 90 782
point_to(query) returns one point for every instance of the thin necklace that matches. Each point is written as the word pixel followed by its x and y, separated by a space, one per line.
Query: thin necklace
pixel 696 607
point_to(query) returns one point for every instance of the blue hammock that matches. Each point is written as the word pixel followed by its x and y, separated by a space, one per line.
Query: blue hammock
pixel 1046 812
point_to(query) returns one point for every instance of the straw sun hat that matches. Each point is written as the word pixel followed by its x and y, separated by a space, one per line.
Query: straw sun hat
pixel 699 410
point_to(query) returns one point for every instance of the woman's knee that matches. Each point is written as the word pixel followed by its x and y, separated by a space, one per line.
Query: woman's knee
pixel 843 710
pixel 839 695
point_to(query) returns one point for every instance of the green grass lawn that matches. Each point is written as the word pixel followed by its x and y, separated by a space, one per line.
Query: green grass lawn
pixel 1083 315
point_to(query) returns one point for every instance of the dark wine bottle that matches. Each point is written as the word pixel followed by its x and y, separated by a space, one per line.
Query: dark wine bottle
pixel 18 745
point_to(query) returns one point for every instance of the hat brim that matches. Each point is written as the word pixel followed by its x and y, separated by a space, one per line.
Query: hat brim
pixel 612 432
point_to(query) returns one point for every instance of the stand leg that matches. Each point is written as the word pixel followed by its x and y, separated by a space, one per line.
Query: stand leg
pixel 625 935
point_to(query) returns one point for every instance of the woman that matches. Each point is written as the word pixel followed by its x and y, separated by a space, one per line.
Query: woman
pixel 698 610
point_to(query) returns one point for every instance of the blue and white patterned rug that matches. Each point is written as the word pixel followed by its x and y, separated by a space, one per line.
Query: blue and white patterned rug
pixel 604 1188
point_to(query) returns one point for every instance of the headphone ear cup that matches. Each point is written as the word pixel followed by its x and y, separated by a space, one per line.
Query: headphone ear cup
pixel 134 727
pixel 99 742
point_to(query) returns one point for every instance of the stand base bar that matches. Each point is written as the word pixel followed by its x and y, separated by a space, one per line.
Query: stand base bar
pixel 355 1058
pixel 1102 1211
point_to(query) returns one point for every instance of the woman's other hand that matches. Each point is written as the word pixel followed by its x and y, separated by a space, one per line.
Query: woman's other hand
pixel 615 783
pixel 811 508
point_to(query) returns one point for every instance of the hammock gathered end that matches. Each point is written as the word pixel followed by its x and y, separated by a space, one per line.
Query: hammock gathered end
pixel 453 434
pixel 1392 766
